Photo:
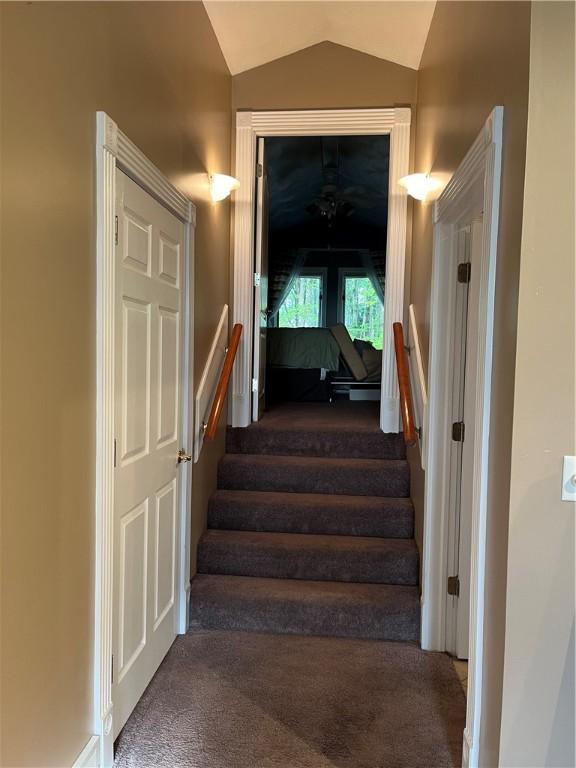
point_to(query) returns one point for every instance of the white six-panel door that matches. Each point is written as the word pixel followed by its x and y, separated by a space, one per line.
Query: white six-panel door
pixel 148 355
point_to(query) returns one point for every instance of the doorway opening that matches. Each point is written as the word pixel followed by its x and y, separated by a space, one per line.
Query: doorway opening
pixel 330 289
pixel 320 263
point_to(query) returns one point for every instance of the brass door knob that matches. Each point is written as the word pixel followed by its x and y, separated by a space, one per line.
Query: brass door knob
pixel 183 456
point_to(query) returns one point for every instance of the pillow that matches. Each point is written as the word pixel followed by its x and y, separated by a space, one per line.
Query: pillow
pixel 360 345
pixel 350 355
pixel 372 359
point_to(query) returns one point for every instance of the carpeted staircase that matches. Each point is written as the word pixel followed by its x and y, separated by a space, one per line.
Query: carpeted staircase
pixel 310 532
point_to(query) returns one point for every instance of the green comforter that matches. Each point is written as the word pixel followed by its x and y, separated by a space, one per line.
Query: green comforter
pixel 303 348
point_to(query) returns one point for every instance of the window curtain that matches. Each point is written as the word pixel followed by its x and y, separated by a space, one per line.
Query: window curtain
pixel 281 279
pixel 375 266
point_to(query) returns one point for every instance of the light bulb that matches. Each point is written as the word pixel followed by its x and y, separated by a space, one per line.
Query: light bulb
pixel 221 186
pixel 419 185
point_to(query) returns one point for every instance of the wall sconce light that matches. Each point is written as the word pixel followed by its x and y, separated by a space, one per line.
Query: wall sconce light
pixel 419 185
pixel 221 186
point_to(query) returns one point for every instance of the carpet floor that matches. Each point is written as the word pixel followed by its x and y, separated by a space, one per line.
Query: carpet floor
pixel 242 700
pixel 340 415
pixel 340 429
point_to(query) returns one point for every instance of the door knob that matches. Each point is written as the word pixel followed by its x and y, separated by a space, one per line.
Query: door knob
pixel 183 456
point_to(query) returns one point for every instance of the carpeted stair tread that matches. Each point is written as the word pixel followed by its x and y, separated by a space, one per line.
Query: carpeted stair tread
pixel 371 611
pixel 304 474
pixel 309 557
pixel 354 442
pixel 311 513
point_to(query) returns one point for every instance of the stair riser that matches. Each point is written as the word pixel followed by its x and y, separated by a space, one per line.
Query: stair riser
pixel 390 481
pixel 357 445
pixel 305 619
pixel 395 522
pixel 388 567
pixel 306 607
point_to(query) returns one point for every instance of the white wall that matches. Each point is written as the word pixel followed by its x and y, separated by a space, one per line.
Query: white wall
pixel 538 696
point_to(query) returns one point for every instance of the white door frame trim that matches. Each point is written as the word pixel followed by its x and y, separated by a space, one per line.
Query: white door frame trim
pixel 114 150
pixel 473 189
pixel 330 122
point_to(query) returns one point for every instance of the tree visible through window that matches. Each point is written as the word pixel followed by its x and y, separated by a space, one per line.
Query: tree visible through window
pixel 363 310
pixel 301 307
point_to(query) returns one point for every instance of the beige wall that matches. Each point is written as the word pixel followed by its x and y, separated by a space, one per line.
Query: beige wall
pixel 157 69
pixel 538 702
pixel 476 57
pixel 325 76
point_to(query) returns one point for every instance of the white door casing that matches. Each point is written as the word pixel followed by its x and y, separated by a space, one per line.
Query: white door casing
pixel 114 150
pixel 260 287
pixel 249 127
pixel 473 192
pixel 148 350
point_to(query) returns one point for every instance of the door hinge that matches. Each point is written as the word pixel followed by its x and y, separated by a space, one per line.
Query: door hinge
pixel 259 170
pixel 453 585
pixel 458 431
pixel 115 230
pixel 114 451
pixel 257 279
pixel 464 272
pixel 112 670
pixel 254 385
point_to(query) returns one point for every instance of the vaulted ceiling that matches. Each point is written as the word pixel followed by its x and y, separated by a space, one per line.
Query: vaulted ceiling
pixel 253 32
pixel 327 191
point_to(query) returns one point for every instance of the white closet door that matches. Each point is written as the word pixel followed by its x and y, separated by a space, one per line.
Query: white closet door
pixel 148 354
pixel 465 338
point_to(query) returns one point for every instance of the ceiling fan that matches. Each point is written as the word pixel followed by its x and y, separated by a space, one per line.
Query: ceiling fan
pixel 335 202
pixel 330 205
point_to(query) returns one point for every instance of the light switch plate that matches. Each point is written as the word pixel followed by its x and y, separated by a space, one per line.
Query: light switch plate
pixel 569 479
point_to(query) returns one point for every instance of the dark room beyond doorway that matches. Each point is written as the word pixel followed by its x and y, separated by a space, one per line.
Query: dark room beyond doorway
pixel 325 219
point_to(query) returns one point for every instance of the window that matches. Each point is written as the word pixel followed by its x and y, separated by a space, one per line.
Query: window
pixel 303 307
pixel 361 311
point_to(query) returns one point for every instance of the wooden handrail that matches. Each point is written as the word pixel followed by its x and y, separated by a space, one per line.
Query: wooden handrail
pixel 406 408
pixel 223 382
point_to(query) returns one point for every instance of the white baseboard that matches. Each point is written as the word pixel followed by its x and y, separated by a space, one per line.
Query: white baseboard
pixel 466 749
pixel 185 610
pixel 390 414
pixel 90 755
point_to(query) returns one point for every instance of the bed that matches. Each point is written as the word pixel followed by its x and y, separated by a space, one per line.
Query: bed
pixel 316 364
